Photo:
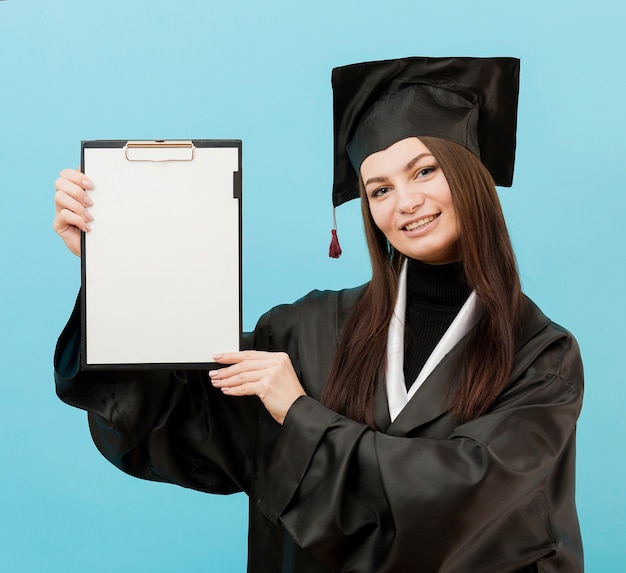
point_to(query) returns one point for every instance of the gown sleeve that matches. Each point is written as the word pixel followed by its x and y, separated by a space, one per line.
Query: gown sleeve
pixel 163 425
pixel 363 500
pixel 174 426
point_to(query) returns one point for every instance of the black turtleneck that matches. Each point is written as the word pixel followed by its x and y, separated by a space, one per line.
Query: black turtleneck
pixel 435 294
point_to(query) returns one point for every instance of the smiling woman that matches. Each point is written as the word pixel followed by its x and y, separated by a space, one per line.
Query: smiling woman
pixel 424 421
pixel 410 201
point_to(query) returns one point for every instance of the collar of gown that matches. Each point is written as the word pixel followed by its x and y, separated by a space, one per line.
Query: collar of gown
pixel 397 394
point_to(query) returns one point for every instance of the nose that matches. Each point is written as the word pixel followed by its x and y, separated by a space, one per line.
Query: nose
pixel 409 199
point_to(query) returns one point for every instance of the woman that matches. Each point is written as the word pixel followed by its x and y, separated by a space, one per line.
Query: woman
pixel 422 422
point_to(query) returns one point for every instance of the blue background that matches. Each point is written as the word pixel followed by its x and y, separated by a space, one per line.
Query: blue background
pixel 260 72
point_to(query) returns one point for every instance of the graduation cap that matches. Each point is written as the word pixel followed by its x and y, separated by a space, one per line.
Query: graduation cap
pixel 471 101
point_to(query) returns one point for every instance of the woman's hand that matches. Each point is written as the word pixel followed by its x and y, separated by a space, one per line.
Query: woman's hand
pixel 71 201
pixel 268 375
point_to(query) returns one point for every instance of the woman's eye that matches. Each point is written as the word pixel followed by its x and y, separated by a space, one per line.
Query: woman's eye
pixel 425 171
pixel 380 191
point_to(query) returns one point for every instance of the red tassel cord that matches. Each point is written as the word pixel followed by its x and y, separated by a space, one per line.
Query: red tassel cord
pixel 334 251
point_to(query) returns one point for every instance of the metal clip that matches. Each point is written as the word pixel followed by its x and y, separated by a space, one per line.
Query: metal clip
pixel 159 150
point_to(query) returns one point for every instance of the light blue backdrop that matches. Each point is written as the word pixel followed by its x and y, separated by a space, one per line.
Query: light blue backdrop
pixel 260 71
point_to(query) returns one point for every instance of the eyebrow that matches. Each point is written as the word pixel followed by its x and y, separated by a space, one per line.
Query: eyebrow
pixel 407 167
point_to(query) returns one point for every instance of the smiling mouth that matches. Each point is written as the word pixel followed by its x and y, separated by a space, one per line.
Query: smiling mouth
pixel 420 223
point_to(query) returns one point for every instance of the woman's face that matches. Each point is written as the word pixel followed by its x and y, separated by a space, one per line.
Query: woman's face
pixel 410 201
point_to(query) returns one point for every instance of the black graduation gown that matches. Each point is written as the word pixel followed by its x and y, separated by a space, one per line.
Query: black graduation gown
pixel 423 493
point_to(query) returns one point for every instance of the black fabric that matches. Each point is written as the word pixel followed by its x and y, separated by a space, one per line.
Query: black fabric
pixel 471 101
pixel 423 493
pixel 435 294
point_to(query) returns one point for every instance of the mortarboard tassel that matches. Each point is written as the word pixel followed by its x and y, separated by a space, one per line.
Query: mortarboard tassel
pixel 334 251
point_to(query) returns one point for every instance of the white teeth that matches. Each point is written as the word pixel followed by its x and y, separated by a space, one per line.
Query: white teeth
pixel 418 224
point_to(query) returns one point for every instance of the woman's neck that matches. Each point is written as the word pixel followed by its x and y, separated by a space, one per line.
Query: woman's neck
pixel 439 285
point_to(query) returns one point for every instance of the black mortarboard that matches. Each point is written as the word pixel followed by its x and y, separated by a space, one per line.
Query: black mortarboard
pixel 471 101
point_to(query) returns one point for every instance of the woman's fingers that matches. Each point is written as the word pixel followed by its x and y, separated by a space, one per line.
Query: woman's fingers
pixel 248 366
pixel 67 218
pixel 236 357
pixel 71 204
pixel 76 177
pixel 74 184
pixel 243 372
pixel 66 202
pixel 268 375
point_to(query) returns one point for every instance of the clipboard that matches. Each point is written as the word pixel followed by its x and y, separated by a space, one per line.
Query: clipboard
pixel 161 266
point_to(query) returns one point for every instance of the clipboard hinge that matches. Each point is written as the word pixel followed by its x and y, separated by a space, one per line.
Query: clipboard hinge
pixel 159 150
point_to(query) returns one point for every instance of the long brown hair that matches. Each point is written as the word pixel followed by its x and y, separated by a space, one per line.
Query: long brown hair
pixel 490 270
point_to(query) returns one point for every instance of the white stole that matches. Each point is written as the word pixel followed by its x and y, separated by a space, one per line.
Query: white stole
pixel 397 394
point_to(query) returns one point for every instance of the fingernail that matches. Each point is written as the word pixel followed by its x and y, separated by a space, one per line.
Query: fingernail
pixel 87 184
pixel 87 227
pixel 88 202
pixel 212 373
pixel 217 356
pixel 88 215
